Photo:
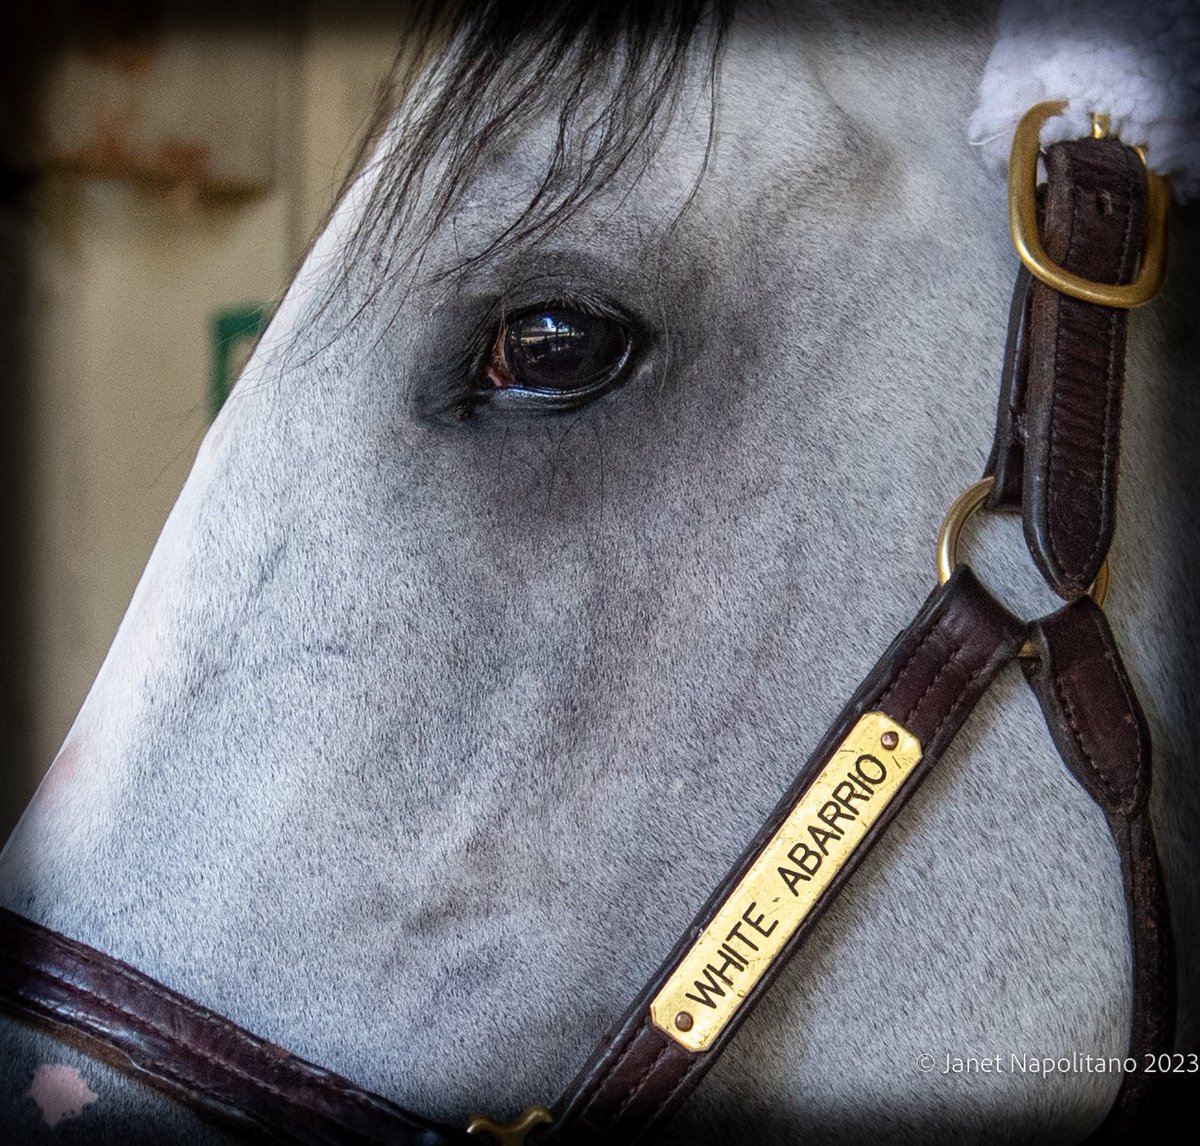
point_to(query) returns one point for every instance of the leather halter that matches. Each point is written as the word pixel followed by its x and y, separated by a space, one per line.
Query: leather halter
pixel 1054 461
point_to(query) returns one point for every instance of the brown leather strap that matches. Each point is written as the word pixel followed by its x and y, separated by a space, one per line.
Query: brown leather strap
pixel 227 1075
pixel 1099 729
pixel 1058 426
pixel 1006 466
pixel 929 680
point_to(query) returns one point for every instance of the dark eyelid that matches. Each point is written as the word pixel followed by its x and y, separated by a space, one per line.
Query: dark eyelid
pixel 492 364
pixel 448 389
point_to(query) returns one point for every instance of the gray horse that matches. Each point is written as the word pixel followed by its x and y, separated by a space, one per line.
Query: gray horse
pixel 443 704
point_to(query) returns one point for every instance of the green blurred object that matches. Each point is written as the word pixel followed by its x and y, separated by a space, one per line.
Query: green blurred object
pixel 234 334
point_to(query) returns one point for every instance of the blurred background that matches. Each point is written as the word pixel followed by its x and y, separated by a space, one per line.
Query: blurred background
pixel 164 166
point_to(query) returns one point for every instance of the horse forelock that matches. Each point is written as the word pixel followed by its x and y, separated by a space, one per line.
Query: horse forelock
pixel 610 74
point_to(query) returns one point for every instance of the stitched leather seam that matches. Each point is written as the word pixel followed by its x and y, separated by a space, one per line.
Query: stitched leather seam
pixel 252 1042
pixel 1131 189
pixel 1149 1020
pixel 1142 874
pixel 961 698
pixel 605 1072
pixel 1137 727
pixel 1072 722
pixel 882 701
pixel 640 1081
pixel 186 1082
pixel 1051 461
pixel 669 1097
pixel 1131 704
pixel 1110 370
pixel 1152 875
pixel 937 676
pixel 307 1076
pixel 1113 791
pixel 1114 319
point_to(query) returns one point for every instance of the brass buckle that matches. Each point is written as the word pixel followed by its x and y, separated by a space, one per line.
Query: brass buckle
pixel 956 517
pixel 510 1133
pixel 1022 222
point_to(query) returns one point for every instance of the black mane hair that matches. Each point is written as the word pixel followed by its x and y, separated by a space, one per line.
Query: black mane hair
pixel 610 71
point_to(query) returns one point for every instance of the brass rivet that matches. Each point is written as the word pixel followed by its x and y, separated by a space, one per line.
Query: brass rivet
pixel 683 1021
pixel 889 739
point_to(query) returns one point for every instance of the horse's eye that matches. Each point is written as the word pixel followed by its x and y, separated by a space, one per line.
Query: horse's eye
pixel 556 358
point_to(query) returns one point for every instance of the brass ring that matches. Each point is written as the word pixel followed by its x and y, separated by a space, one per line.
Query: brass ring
pixel 956 517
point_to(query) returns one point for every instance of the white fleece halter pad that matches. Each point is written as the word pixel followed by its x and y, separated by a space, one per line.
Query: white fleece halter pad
pixel 1137 62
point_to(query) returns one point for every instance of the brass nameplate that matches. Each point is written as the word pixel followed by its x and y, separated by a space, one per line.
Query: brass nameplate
pixel 797 864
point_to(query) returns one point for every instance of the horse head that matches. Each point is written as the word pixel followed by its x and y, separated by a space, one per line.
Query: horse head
pixel 591 459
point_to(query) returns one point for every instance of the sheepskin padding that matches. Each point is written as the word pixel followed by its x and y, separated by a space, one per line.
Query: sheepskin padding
pixel 1138 63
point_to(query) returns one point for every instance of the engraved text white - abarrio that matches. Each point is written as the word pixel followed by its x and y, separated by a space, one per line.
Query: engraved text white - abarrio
pixel 787 878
